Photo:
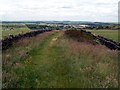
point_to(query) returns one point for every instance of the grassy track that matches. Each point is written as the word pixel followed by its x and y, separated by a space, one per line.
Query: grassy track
pixel 112 34
pixel 60 62
pixel 56 63
pixel 48 64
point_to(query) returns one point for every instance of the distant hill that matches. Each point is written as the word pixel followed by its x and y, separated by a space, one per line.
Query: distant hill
pixel 62 22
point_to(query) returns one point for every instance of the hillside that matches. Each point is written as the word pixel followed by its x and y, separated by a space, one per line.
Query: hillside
pixel 54 60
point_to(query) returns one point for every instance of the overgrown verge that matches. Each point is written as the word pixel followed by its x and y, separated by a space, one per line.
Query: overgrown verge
pixel 14 59
pixel 86 36
pixel 93 65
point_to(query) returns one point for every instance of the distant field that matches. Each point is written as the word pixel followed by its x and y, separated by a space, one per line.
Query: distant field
pixel 16 31
pixel 111 34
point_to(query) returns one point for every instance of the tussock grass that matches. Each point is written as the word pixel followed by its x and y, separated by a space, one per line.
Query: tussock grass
pixel 59 61
pixel 95 62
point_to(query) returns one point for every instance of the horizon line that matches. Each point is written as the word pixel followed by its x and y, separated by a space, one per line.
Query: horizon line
pixel 54 21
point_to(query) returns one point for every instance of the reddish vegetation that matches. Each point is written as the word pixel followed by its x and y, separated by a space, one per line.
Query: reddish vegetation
pixel 97 51
pixel 97 61
pixel 80 36
pixel 85 36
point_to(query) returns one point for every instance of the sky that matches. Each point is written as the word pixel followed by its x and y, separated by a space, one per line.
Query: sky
pixel 59 10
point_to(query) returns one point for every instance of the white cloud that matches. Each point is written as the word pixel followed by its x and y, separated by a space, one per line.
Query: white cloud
pixel 97 10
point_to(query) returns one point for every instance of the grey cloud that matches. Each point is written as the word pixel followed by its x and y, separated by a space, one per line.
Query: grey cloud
pixel 67 7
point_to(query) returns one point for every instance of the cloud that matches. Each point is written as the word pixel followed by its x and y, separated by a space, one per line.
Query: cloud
pixel 99 10
pixel 67 7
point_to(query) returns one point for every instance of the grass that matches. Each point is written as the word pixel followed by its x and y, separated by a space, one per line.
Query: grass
pixel 111 34
pixel 97 68
pixel 14 59
pixel 16 31
pixel 52 60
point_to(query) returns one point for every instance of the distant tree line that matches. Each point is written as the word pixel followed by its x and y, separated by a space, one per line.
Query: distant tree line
pixel 44 27
pixel 110 27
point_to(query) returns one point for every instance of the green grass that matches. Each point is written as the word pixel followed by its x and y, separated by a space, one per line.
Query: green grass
pixel 111 34
pixel 59 62
pixel 16 31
